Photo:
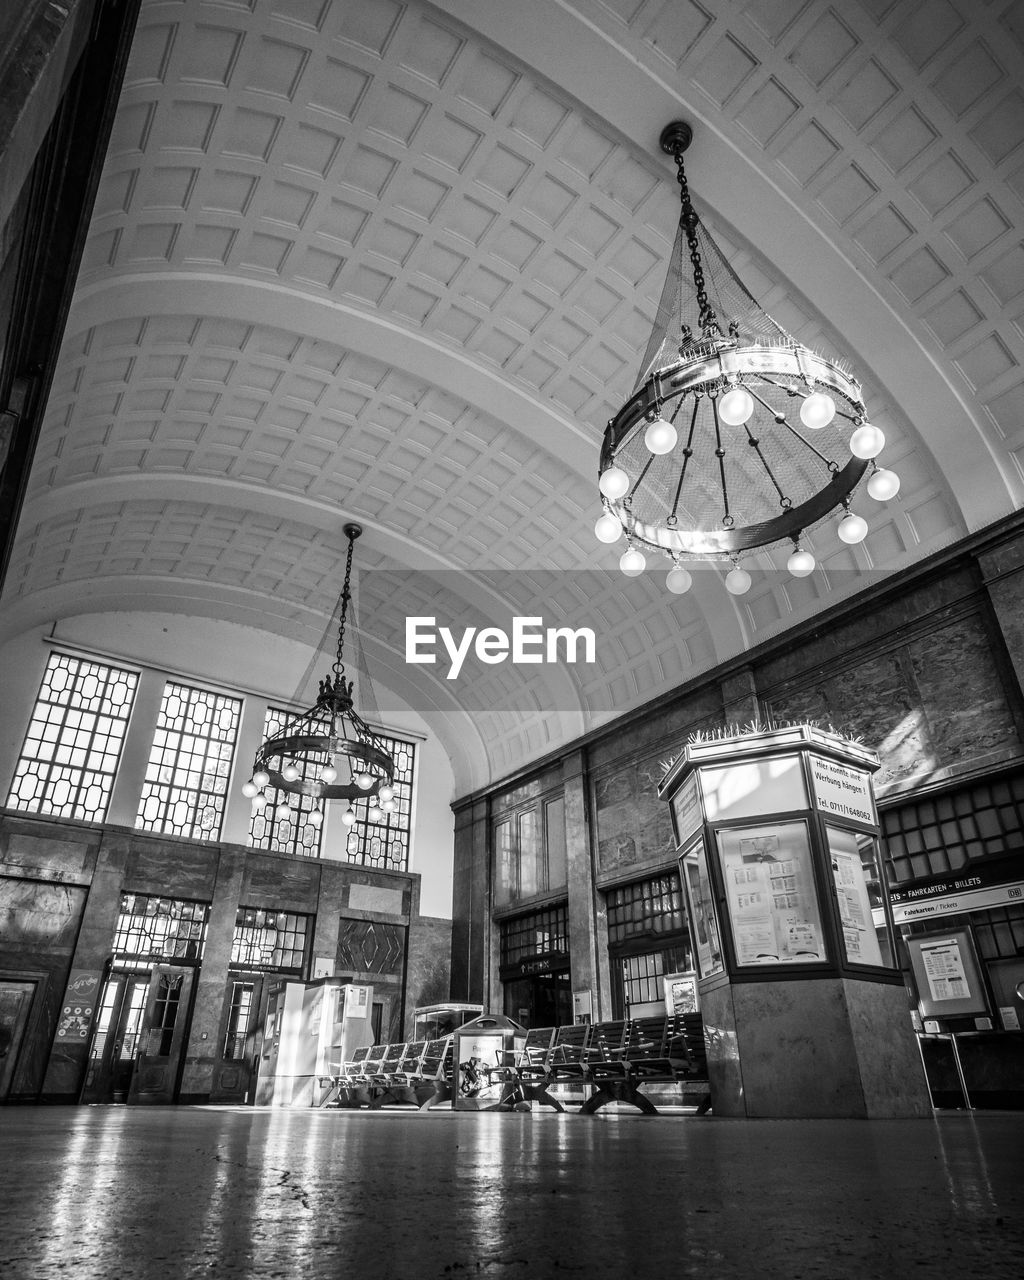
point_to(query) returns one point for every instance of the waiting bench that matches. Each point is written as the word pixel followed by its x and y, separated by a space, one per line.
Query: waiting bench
pixel 611 1061
pixel 643 1051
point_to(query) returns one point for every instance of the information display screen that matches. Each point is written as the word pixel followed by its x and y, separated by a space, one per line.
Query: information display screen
pixel 769 893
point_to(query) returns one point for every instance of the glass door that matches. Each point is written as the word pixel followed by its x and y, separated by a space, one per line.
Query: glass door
pixel 115 1039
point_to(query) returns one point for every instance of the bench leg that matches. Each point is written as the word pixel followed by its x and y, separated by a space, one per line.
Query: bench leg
pixel 539 1093
pixel 618 1092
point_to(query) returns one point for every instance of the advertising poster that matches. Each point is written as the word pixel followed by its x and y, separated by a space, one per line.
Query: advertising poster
pixel 769 883
pixel 76 1012
pixel 842 791
pixel 681 993
pixel 477 1055
pixel 860 939
pixel 947 975
pixel 701 908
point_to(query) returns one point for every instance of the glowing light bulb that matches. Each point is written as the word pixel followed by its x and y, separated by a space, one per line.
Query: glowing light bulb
pixel 608 529
pixel 800 563
pixel 388 806
pixel 632 563
pixel 364 781
pixel 349 817
pixel 736 406
pixel 852 529
pixel 261 778
pixel 289 772
pixel 614 483
pixel 328 774
pixel 386 793
pixel 867 442
pixel 374 813
pixel 250 789
pixel 259 802
pixel 737 581
pixel 678 580
pixel 817 410
pixel 315 818
pixel 283 811
pixel 884 485
pixel 660 436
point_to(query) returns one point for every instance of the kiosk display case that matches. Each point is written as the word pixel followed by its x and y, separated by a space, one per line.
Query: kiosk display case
pixel 805 1010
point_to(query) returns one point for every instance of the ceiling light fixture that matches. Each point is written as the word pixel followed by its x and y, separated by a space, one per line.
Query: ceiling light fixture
pixel 329 752
pixel 737 437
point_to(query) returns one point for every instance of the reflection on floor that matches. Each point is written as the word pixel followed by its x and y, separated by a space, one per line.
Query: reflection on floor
pixel 105 1192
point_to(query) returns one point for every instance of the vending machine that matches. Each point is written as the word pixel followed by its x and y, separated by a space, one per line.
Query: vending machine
pixel 311 1028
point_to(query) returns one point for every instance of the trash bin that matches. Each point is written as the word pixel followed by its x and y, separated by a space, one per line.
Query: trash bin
pixel 487 1051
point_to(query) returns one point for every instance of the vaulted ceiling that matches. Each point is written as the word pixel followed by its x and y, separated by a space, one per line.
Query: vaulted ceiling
pixel 398 262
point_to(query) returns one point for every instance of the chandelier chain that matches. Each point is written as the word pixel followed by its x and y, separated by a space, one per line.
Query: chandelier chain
pixel 688 219
pixel 339 665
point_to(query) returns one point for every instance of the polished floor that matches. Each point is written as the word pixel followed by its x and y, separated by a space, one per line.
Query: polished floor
pixel 117 1193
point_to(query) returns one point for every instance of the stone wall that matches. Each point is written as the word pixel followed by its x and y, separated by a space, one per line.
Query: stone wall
pixel 60 892
pixel 925 669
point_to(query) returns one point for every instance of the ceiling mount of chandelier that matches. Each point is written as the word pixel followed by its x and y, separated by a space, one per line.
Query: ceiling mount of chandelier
pixel 328 752
pixel 737 437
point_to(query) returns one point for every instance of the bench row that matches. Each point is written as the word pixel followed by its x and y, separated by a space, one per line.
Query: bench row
pixel 606 1061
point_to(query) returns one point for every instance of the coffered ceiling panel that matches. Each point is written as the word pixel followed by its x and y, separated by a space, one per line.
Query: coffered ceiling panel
pixel 398 263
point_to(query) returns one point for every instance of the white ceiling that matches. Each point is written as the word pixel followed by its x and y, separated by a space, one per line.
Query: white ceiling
pixel 357 259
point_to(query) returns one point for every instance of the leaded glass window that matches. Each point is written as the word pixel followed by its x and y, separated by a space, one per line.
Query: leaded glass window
pixel 541 933
pixel 646 908
pixel 73 745
pixel 153 928
pixel 384 843
pixel 273 827
pixel 189 763
pixel 269 940
pixel 936 834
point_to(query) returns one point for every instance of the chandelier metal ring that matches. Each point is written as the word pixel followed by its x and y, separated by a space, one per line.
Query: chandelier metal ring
pixel 737 437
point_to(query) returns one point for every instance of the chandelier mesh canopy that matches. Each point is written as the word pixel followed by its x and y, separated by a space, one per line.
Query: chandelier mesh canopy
pixel 737 437
pixel 327 752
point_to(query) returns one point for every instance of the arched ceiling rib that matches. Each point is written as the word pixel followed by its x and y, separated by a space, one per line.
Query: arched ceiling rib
pixel 397 262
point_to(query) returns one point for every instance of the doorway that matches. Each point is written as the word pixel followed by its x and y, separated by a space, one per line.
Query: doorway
pixel 234 1077
pixel 540 1000
pixel 139 1037
pixel 15 1006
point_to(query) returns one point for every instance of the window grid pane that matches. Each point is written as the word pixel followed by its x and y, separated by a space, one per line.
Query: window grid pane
pixel 653 906
pixel 939 834
pixel 539 933
pixel 385 844
pixel 999 932
pixel 269 940
pixel 73 744
pixel 641 978
pixel 151 928
pixel 190 763
pixel 293 833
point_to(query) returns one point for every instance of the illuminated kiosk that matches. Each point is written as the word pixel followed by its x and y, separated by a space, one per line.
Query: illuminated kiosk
pixel 805 1012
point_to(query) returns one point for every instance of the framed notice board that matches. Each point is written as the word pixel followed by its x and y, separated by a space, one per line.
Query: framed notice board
pixel 948 976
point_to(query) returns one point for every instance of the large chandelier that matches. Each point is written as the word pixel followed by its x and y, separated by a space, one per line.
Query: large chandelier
pixel 736 437
pixel 328 752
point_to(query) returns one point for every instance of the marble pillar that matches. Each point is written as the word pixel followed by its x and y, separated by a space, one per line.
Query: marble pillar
pixel 805 1049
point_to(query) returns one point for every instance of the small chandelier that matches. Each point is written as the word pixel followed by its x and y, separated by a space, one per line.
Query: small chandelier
pixel 328 752
pixel 736 437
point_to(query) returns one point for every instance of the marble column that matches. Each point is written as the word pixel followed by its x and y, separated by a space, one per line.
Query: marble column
pixel 588 932
pixel 65 1072
pixel 204 1048
pixel 471 908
